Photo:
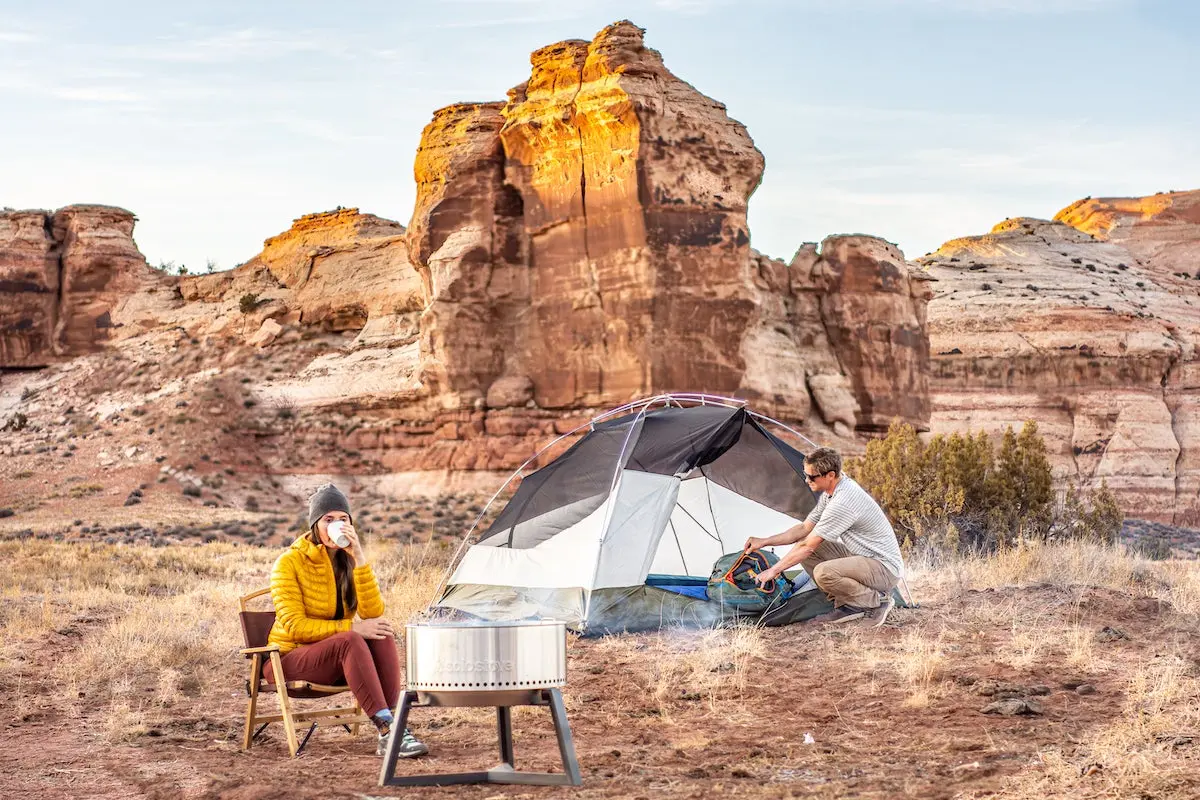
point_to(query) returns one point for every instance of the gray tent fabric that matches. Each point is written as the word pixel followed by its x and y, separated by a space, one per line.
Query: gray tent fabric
pixel 579 538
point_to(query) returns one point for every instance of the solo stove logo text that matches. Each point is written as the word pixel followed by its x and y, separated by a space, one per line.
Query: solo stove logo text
pixel 474 666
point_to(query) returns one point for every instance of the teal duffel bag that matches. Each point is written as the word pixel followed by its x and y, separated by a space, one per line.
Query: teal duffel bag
pixel 732 582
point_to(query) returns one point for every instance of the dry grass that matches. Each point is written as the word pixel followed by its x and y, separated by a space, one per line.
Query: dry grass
pixel 1135 755
pixel 1063 564
pixel 149 633
pixel 152 625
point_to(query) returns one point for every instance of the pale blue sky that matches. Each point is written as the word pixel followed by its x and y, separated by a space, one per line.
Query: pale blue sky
pixel 218 122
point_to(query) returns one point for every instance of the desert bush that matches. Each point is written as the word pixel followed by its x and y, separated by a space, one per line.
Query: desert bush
pixel 16 422
pixel 248 302
pixel 1153 549
pixel 959 492
pixel 285 408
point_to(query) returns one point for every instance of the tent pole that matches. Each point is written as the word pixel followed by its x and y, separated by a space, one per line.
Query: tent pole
pixel 787 428
pixel 467 537
pixel 612 492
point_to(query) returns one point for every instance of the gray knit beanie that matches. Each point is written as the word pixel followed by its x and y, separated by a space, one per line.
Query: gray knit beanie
pixel 325 499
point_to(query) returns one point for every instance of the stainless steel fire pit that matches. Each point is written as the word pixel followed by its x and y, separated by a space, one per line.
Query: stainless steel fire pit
pixel 473 664
pixel 501 664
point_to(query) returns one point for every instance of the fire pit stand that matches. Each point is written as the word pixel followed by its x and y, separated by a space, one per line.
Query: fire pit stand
pixel 481 665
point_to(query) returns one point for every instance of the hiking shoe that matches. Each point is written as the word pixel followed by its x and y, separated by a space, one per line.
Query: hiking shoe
pixel 877 616
pixel 410 746
pixel 840 615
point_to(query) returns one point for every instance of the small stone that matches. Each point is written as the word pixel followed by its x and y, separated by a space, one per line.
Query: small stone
pixel 1039 690
pixel 1012 707
pixel 1085 688
pixel 1108 634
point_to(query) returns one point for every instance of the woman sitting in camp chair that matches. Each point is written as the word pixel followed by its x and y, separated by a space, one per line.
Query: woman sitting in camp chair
pixel 317 586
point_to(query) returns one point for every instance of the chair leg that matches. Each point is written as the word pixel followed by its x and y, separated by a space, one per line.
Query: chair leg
pixel 354 728
pixel 312 728
pixel 285 706
pixel 252 707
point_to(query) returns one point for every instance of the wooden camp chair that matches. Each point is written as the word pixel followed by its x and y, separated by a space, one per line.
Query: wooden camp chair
pixel 256 626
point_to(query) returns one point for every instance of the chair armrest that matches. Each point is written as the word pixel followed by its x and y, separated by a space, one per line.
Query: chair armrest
pixel 269 648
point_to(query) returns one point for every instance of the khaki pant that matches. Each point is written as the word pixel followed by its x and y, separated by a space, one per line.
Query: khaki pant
pixel 846 578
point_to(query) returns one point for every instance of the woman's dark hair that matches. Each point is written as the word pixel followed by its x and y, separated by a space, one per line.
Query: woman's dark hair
pixel 343 575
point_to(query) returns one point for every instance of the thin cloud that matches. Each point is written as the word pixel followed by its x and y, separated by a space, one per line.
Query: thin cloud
pixel 982 7
pixel 240 45
pixel 693 7
pixel 18 37
pixel 96 94
pixel 500 21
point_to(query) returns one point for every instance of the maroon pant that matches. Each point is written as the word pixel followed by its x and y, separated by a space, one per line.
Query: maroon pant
pixel 370 666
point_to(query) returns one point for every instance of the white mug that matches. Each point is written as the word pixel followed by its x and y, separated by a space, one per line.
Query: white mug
pixel 335 533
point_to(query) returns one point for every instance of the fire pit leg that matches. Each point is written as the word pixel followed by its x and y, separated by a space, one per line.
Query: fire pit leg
pixel 504 728
pixel 562 730
pixel 503 772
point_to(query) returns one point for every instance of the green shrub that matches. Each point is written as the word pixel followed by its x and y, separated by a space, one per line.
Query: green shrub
pixel 965 492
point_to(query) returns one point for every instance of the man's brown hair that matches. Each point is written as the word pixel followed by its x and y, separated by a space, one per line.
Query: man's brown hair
pixel 823 460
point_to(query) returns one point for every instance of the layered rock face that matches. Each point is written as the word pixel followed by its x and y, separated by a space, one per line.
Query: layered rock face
pixel 1088 325
pixel 339 271
pixel 578 246
pixel 61 276
pixel 585 244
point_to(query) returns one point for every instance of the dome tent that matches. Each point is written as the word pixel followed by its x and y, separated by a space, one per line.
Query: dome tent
pixel 620 532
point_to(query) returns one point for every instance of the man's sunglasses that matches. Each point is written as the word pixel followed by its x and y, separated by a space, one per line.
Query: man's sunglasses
pixel 811 478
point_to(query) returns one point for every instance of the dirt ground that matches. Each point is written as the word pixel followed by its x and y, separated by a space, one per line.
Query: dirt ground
pixel 172 509
pixel 875 730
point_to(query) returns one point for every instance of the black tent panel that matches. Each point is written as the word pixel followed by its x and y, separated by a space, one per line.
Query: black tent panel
pixel 793 456
pixel 676 440
pixel 568 489
pixel 758 469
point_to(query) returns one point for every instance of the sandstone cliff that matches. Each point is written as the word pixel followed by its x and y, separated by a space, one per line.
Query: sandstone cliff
pixel 577 246
pixel 1087 324
pixel 61 275
pixel 586 243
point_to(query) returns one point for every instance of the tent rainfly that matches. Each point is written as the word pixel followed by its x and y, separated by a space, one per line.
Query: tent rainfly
pixel 621 531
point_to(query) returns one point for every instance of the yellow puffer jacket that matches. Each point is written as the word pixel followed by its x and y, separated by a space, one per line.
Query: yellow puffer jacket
pixel 304 591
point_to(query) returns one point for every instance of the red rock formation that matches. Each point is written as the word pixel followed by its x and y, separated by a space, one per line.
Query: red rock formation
pixel 578 246
pixel 61 277
pixel 874 311
pixel 467 246
pixel 1092 337
pixel 588 239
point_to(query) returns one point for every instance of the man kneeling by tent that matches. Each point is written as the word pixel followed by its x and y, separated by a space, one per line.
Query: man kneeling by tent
pixel 846 544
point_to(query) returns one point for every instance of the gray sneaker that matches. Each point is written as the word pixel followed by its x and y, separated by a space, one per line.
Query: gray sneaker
pixel 839 615
pixel 410 746
pixel 877 616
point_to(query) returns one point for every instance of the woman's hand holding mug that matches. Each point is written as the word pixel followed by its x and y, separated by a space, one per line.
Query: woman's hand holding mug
pixel 337 532
pixel 344 535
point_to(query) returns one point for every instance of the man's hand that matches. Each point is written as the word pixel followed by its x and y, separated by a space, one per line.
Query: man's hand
pixel 755 543
pixel 375 628
pixel 767 576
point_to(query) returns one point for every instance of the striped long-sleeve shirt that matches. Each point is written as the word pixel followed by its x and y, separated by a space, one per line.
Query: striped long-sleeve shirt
pixel 852 518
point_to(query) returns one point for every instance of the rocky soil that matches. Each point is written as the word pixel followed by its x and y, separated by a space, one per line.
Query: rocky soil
pixel 1043 691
